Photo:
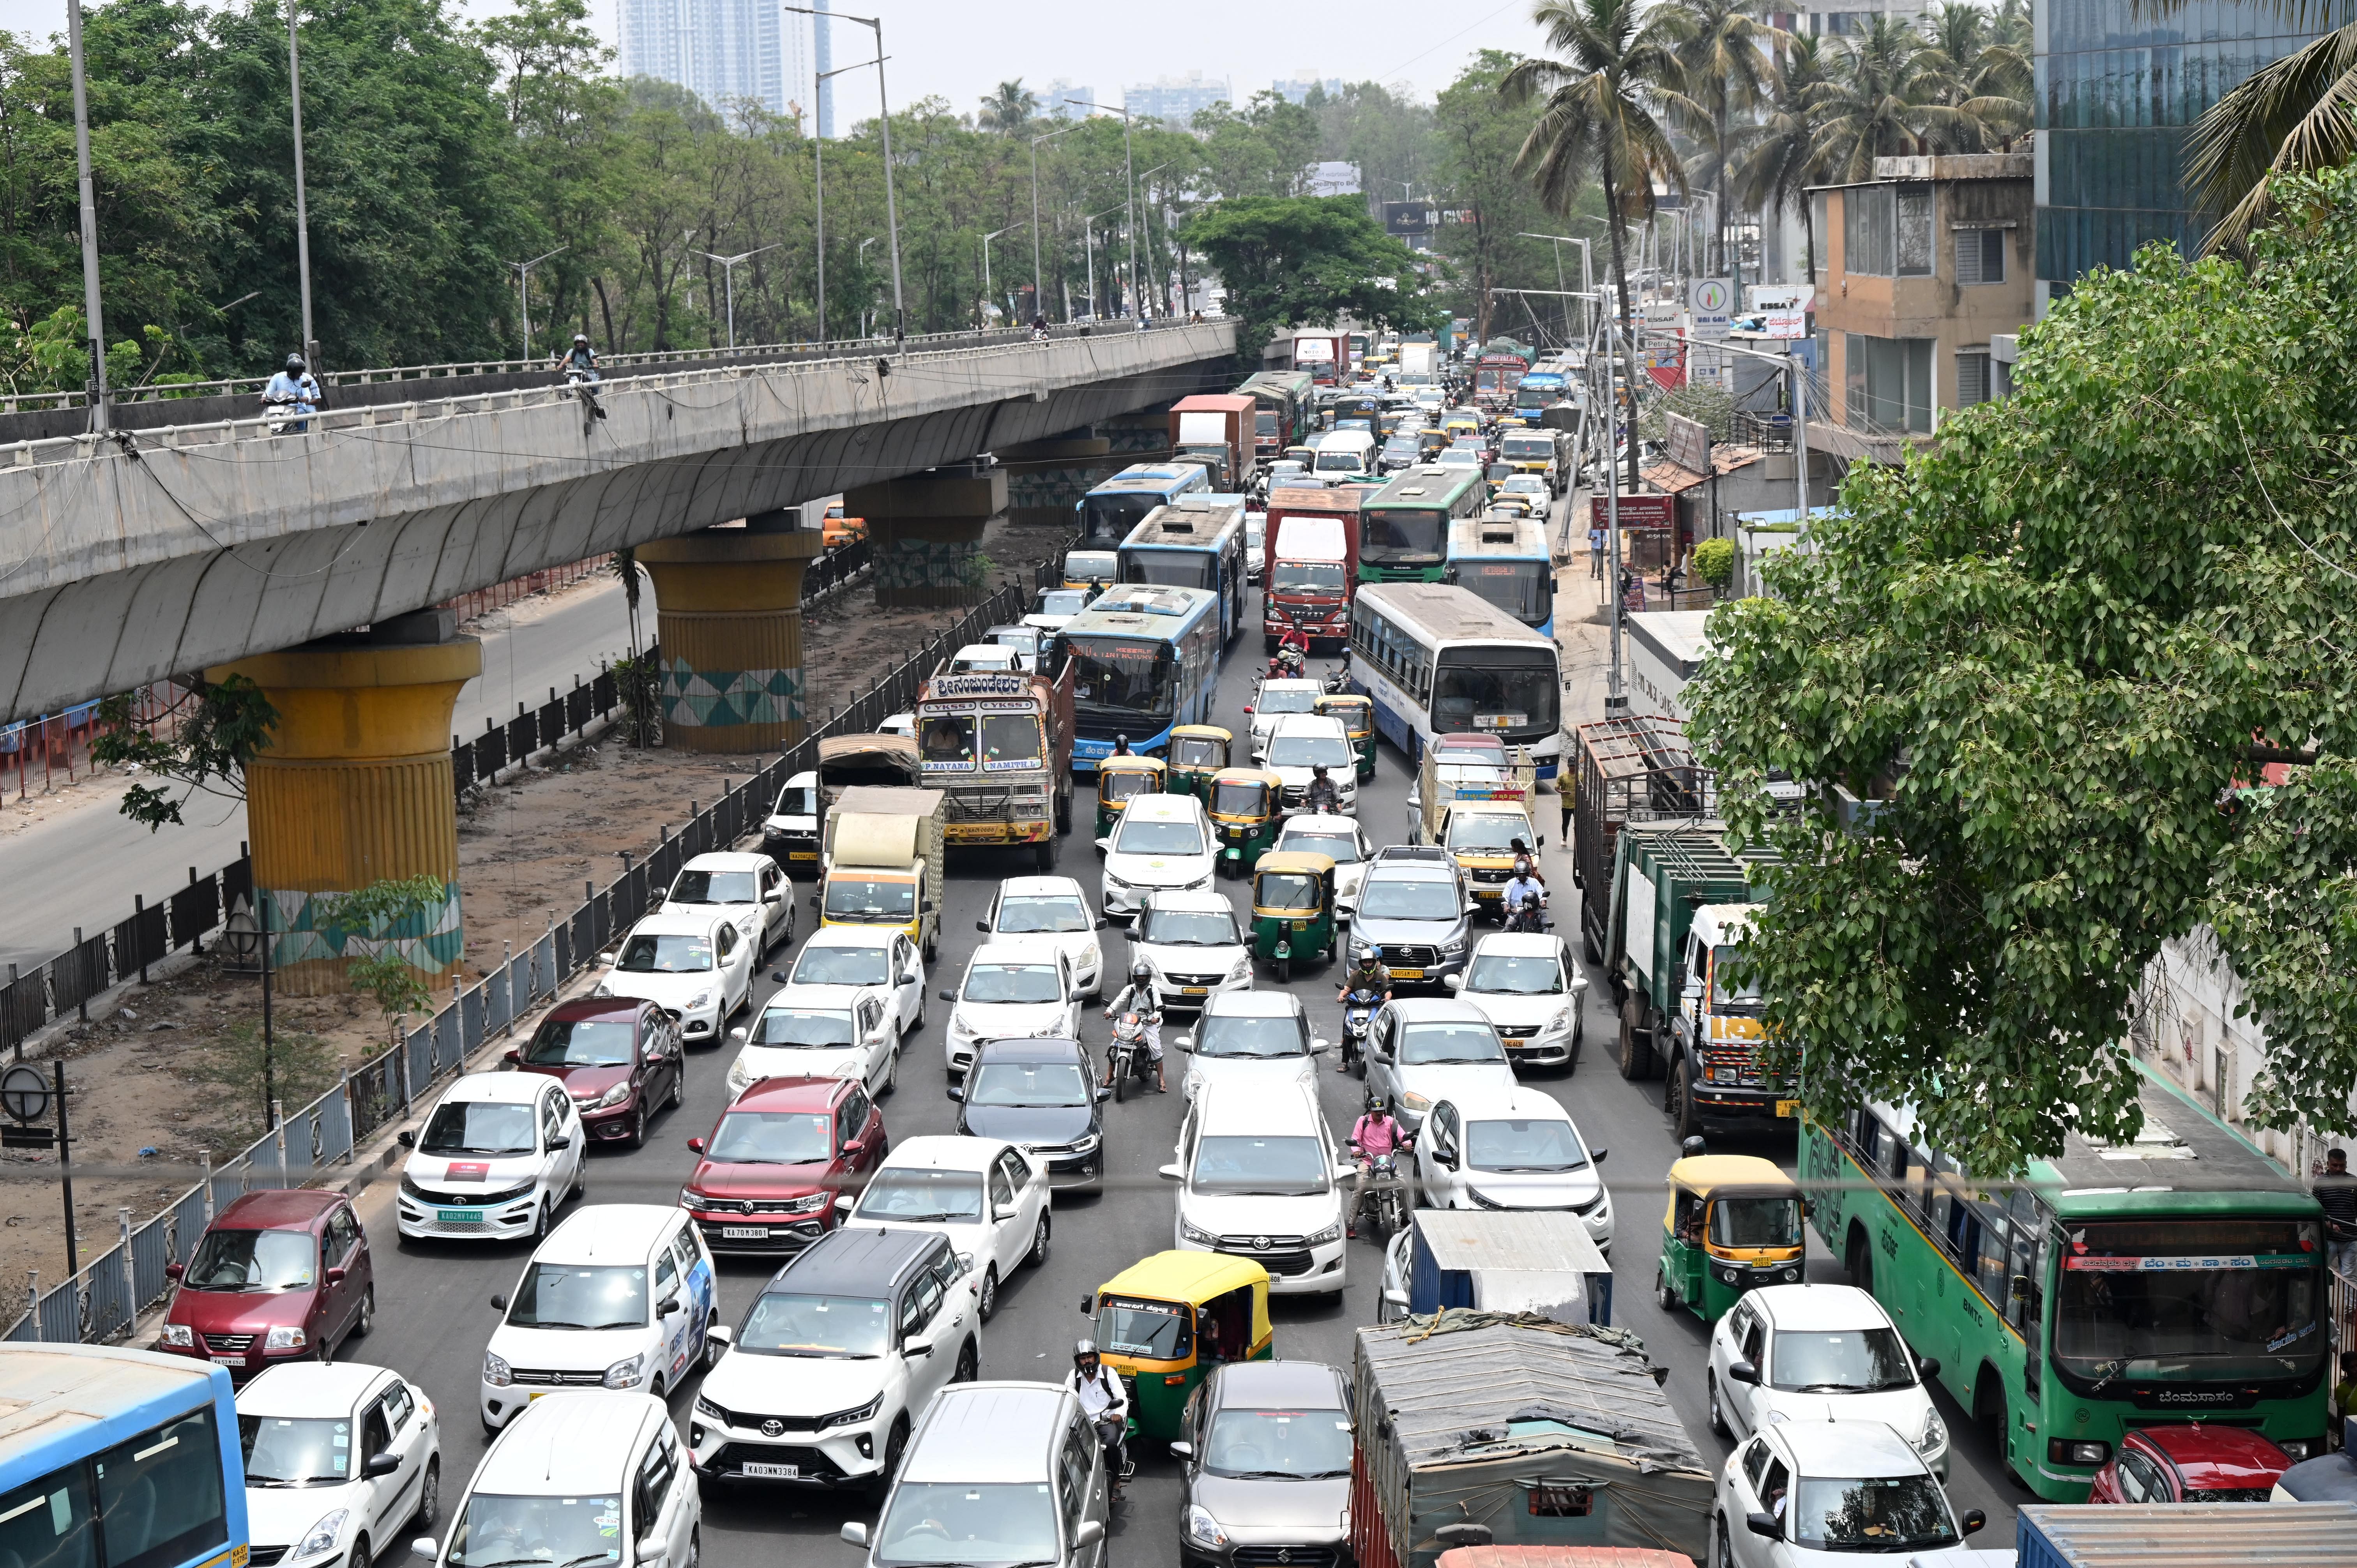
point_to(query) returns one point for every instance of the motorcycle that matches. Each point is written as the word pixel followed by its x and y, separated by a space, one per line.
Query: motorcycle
pixel 1528 917
pixel 285 413
pixel 1380 1188
pixel 1126 1057
pixel 1338 680
pixel 1358 1017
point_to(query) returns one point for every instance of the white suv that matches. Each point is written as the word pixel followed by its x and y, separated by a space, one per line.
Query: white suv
pixel 1525 983
pixel 1296 743
pixel 1259 1178
pixel 1820 1353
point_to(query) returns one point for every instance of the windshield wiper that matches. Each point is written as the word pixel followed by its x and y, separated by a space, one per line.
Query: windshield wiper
pixel 1837 1387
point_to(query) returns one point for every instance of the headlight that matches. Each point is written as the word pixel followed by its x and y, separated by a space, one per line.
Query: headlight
pixel 740 1077
pixel 699 1002
pixel 180 1335
pixel 1086 1145
pixel 1413 1101
pixel 1558 1024
pixel 614 1095
pixel 1331 1233
pixel 495 1371
pixel 691 1198
pixel 321 1536
pixel 1242 969
pixel 284 1338
pixel 2074 1451
pixel 1454 944
pixel 1935 1436
pixel 1199 884
pixel 853 1417
pixel 623 1374
pixel 959 1028
pixel 1196 1234
pixel 1115 882
pixel 1203 1529
pixel 710 1412
pixel 813 1204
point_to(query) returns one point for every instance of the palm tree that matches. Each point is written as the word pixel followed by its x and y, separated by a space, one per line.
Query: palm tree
pixel 1983 65
pixel 1723 70
pixel 1781 160
pixel 1595 116
pixel 1008 108
pixel 1882 98
pixel 2290 117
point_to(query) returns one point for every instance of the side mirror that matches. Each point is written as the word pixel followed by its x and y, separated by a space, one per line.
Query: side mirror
pixel 381 1465
pixel 844 1203
pixel 854 1147
pixel 500 1302
pixel 1089 1305
pixel 426 1547
pixel 1578 984
pixel 947 996
pixel 1973 1521
pixel 1088 1534
pixel 667 1307
pixel 777 977
pixel 1397 1298
pixel 738 1034
pixel 174 1270
pixel 1472 905
pixel 561 1141
pixel 1342 1172
pixel 917 1347
pixel 1763 1525
pixel 982 925
pixel 1596 1156
pixel 924 906
pixel 1004 1211
pixel 1103 922
pixel 1103 1093
pixel 407 1139
pixel 721 1334
pixel 1187 1041
pixel 855 1533
pixel 1320 1046
pixel 1928 1368
pixel 1740 1372
pixel 1453 982
pixel 1105 845
pixel 956 1093
pixel 336 1276
pixel 649 1549
pixel 1182 1450
pixel 1169 1172
pixel 514 1057
pixel 695 1145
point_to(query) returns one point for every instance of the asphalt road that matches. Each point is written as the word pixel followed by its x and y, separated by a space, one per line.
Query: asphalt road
pixel 435 1315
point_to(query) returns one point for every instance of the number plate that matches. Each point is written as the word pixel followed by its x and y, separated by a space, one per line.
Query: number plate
pixel 802 854
pixel 1194 990
pixel 229 1361
pixel 763 1468
pixel 1407 974
pixel 745 1232
pixel 459 1216
pixel 1788 1108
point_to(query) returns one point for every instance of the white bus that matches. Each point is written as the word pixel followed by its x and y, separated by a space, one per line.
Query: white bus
pixel 1438 660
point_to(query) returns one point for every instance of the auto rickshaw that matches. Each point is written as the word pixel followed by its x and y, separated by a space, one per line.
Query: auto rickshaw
pixel 1357 713
pixel 1246 806
pixel 1305 455
pixel 1163 1323
pixel 1733 1225
pixel 1293 909
pixel 1198 751
pixel 1121 779
pixel 1091 568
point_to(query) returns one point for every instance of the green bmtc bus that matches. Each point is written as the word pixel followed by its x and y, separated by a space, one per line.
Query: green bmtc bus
pixel 1403 527
pixel 2180 1278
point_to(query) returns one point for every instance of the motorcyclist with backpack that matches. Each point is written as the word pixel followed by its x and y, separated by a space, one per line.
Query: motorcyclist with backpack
pixel 1525 896
pixel 1106 1404
pixel 1138 998
pixel 580 358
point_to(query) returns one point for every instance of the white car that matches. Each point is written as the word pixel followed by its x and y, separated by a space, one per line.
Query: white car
pixel 695 967
pixel 985 655
pixel 1820 1353
pixel 1514 1150
pixel 1050 910
pixel 618 1296
pixel 1275 700
pixel 1525 983
pixel 902 724
pixel 591 1477
pixel 1341 839
pixel 1298 743
pixel 1012 991
pixel 338 1460
pixel 497 1155
pixel 987 1196
pixel 1193 947
pixel 1024 639
pixel 1259 1178
pixel 1162 843
pixel 1422 1050
pixel 1259 1038
pixel 747 888
pixel 820 1031
pixel 1822 1492
pixel 883 957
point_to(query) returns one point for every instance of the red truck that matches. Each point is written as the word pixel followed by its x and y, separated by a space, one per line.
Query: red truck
pixel 1312 564
pixel 1325 355
pixel 1217 427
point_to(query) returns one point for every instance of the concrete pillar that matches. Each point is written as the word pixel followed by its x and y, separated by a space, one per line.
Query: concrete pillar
pixel 1138 437
pixel 355 789
pixel 728 608
pixel 1046 478
pixel 927 530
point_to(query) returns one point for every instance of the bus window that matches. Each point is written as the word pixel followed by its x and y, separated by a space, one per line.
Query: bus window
pixel 159 1495
pixel 1989 1259
pixel 1496 688
pixel 45 1523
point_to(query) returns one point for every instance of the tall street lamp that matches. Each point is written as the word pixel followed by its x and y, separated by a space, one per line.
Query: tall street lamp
pixel 1145 215
pixel 91 318
pixel 1039 298
pixel 986 239
pixel 891 203
pixel 302 214
pixel 728 270
pixel 1128 164
pixel 818 147
pixel 524 293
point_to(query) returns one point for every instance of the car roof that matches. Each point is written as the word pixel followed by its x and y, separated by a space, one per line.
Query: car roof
pixel 982 1433
pixel 858 1258
pixel 280 1208
pixel 1253 1005
pixel 608 1233
pixel 851 937
pixel 1520 944
pixel 308 1388
pixel 1026 953
pixel 582 1007
pixel 1275 1385
pixel 1521 1102
pixel 1847 1449
pixel 942 1152
pixel 1036 886
pixel 498 1088
pixel 2194 1448
pixel 1245 1110
pixel 1820 1307
pixel 676 923
pixel 1180 899
pixel 1165 808
pixel 1436 1010
pixel 1038 1049
pixel 820 998
pixel 728 860
pixel 1318 721
pixel 794 1094
pixel 569 1442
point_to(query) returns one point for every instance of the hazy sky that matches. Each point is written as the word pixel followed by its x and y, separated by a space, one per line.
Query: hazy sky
pixel 960 51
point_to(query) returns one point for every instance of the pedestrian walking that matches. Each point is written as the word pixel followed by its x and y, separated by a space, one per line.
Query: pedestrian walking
pixel 1567 788
pixel 2336 1193
pixel 1596 550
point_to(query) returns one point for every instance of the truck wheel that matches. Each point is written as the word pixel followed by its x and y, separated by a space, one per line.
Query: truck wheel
pixel 1043 855
pixel 1587 944
pixel 1685 1119
pixel 1636 1051
pixel 1064 812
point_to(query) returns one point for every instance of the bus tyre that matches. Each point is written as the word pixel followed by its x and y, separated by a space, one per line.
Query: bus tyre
pixel 1858 1257
pixel 1989 1413
pixel 1636 1050
pixel 1685 1119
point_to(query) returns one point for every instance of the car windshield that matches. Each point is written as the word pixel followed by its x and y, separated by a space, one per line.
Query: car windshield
pixel 1488 830
pixel 1241 1035
pixel 1515 974
pixel 665 955
pixel 1882 1513
pixel 1408 898
pixel 1341 848
pixel 1188 928
pixel 1279 1445
pixel 474 1127
pixel 1542 1144
pixel 582 1042
pixel 1013 983
pixel 844 1327
pixel 1422 1044
pixel 772 1138
pixel 808 1028
pixel 713 887
pixel 1024 914
pixel 1307 577
pixel 1842 1361
pixel 293 1451
pixel 1062 601
pixel 968 1524
pixel 863 898
pixel 1287 699
pixel 1150 1330
pixel 1298 750
pixel 253 1260
pixel 842 966
pixel 580 1295
pixel 2187 1299
pixel 1764 1221
pixel 798 801
pixel 923 1197
pixel 1146 835
pixel 1261 1168
pixel 556 1532
pixel 1028 1084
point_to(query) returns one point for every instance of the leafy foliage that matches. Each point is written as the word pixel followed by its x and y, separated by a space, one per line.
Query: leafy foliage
pixel 217 740
pixel 302 1066
pixel 1305 261
pixel 1714 561
pixel 378 911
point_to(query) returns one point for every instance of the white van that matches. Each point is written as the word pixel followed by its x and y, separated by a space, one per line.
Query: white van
pixel 589 1476
pixel 1342 454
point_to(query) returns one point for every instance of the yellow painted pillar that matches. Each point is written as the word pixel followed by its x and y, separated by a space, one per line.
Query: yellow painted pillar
pixel 927 530
pixel 729 611
pixel 355 789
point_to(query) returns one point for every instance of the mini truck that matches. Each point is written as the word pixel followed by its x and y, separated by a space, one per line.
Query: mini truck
pixel 1478 814
pixel 1000 747
pixel 882 863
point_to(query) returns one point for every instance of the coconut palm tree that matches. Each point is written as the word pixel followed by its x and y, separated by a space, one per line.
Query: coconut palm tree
pixel 1008 108
pixel 2293 116
pixel 1781 159
pixel 1882 98
pixel 1723 66
pixel 1983 66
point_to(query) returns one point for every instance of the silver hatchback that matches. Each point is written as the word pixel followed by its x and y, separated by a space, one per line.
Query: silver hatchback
pixel 1267 1450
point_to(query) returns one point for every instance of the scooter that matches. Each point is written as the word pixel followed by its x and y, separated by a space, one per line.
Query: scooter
pixel 1126 1055
pixel 285 412
pixel 1358 1018
pixel 1528 917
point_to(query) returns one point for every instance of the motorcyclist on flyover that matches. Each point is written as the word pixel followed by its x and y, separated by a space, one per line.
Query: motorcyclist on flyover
pixel 292 391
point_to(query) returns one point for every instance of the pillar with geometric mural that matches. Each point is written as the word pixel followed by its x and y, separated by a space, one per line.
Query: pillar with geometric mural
pixel 728 610
pixel 927 533
pixel 354 788
pixel 1045 479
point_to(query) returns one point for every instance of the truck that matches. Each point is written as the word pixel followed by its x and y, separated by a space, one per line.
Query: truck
pixel 1283 413
pixel 882 864
pixel 792 831
pixel 2215 1535
pixel 1634 767
pixel 1217 429
pixel 1538 390
pixel 1666 649
pixel 1419 361
pixel 1325 355
pixel 1000 747
pixel 1497 371
pixel 1538 1433
pixel 1541 1261
pixel 1310 539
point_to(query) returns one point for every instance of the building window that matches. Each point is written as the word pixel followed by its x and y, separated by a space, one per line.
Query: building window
pixel 1887 383
pixel 1914 230
pixel 1821 237
pixel 1971 377
pixel 1865 230
pixel 1980 256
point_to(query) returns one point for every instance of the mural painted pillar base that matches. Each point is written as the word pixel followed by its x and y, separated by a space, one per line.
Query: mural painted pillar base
pixel 355 790
pixel 1045 479
pixel 728 608
pixel 927 533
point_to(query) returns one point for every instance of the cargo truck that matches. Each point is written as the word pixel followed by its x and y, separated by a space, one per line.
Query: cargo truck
pixel 1632 768
pixel 1325 355
pixel 1541 1261
pixel 1217 430
pixel 1000 747
pixel 1477 812
pixel 2214 1535
pixel 882 864
pixel 1312 546
pixel 1418 360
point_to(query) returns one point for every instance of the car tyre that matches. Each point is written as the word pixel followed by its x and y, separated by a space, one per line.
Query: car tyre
pixel 1718 1413
pixel 969 1365
pixel 639 1126
pixel 880 1485
pixel 540 1224
pixel 1722 1550
pixel 429 1495
pixel 367 1319
pixel 359 1558
pixel 1039 1252
pixel 891 1072
pixel 989 1304
pixel 678 1086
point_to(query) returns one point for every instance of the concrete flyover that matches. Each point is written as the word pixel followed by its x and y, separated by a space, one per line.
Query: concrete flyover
pixel 171 548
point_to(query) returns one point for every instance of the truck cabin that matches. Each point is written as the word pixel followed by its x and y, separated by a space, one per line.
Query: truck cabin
pixel 1712 975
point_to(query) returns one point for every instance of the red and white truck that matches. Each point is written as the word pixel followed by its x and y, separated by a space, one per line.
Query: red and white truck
pixel 1312 563
pixel 1325 355
pixel 1218 428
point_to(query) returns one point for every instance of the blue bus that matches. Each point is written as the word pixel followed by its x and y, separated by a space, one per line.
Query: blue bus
pixel 1144 659
pixel 1537 391
pixel 118 1459
pixel 1439 661
pixel 1107 513
pixel 1505 561
pixel 1197 542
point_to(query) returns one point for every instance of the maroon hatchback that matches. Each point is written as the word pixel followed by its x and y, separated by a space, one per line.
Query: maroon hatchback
pixel 618 1057
pixel 766 1178
pixel 277 1276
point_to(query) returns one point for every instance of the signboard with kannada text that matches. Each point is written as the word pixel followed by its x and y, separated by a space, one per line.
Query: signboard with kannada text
pixel 1636 511
pixel 1784 308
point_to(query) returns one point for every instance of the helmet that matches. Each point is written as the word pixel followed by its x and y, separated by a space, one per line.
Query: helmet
pixel 1376 952
pixel 1138 972
pixel 294 362
pixel 1086 1350
pixel 1318 770
pixel 581 336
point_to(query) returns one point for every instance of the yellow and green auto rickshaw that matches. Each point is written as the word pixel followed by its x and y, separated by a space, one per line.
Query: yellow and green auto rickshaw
pixel 1246 808
pixel 1121 779
pixel 1091 568
pixel 1733 1225
pixel 1293 909
pixel 1358 715
pixel 1163 1323
pixel 1198 751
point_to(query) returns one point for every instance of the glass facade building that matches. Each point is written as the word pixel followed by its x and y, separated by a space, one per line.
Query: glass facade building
pixel 2118 85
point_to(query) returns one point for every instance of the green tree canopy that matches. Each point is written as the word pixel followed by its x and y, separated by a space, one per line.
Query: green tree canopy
pixel 1306 260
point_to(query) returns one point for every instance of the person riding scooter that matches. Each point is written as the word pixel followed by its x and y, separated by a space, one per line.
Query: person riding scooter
pixel 1322 794
pixel 1138 998
pixel 292 391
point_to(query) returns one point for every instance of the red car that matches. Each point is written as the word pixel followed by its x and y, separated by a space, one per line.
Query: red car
pixel 768 1175
pixel 619 1056
pixel 2190 1465
pixel 277 1276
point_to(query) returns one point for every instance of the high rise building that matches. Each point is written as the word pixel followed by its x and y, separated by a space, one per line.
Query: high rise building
pixel 1052 97
pixel 724 51
pixel 822 61
pixel 1176 99
pixel 1297 90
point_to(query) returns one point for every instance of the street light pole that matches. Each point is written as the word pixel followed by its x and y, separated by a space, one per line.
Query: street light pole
pixel 302 213
pixel 92 319
pixel 728 270
pixel 524 293
pixel 1039 298
pixel 891 202
pixel 818 148
pixel 1129 205
pixel 986 239
pixel 1146 216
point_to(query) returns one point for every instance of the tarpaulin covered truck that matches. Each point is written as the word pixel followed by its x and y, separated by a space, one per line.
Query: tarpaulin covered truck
pixel 1216 428
pixel 2213 1535
pixel 1549 1433
pixel 1541 1261
pixel 883 863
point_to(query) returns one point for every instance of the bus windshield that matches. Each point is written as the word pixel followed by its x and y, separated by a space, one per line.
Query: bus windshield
pixel 2189 1300
pixel 1107 519
pixel 1523 589
pixel 1401 534
pixel 1172 568
pixel 1508 690
pixel 1122 677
